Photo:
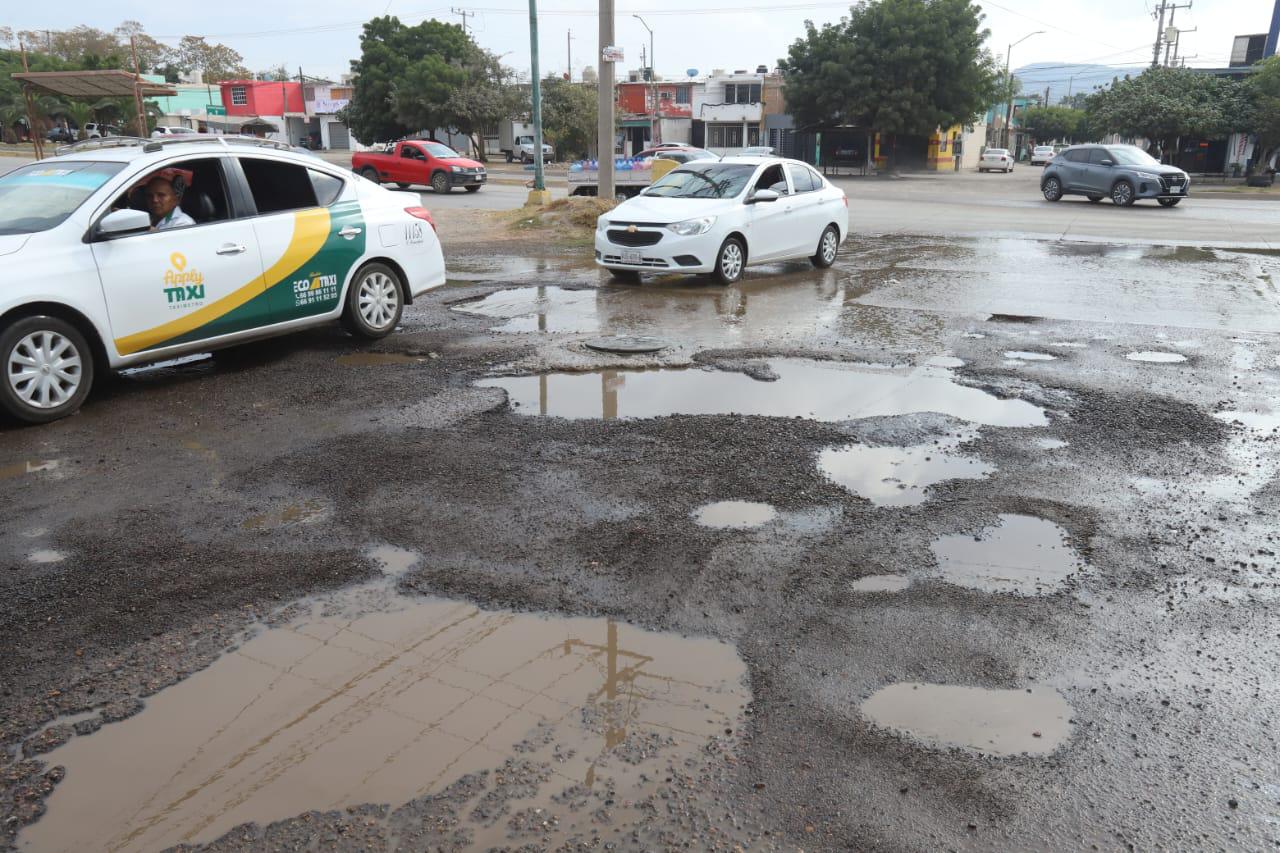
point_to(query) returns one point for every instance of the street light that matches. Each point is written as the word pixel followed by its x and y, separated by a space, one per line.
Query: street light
pixel 653 82
pixel 1008 115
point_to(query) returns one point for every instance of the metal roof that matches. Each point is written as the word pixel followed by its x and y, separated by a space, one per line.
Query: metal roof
pixel 93 84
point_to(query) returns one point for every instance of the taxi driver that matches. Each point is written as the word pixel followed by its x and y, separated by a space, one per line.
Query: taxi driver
pixel 163 193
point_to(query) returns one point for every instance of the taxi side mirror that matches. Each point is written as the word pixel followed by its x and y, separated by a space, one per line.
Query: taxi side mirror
pixel 118 223
pixel 761 196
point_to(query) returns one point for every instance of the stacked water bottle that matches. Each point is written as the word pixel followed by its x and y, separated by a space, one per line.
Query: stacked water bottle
pixel 620 164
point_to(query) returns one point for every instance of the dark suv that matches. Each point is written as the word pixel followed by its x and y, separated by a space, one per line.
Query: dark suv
pixel 1126 173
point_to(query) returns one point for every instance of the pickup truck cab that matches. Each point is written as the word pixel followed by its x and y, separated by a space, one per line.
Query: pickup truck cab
pixel 423 162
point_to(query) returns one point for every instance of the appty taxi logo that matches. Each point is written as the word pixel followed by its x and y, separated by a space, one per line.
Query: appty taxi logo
pixel 182 286
pixel 316 287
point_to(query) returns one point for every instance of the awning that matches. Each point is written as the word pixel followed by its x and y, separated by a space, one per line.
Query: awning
pixel 94 84
pixel 637 122
pixel 258 122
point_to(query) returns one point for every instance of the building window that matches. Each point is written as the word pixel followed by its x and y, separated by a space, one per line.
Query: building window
pixel 682 95
pixel 666 96
pixel 753 135
pixel 726 135
pixel 239 96
pixel 742 93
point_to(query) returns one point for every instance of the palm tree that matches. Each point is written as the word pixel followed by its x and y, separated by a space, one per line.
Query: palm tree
pixel 80 114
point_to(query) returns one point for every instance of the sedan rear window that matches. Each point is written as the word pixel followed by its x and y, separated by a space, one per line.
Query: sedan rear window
pixel 42 195
pixel 703 180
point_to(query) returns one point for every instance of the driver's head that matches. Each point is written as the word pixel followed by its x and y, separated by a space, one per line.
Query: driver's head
pixel 162 198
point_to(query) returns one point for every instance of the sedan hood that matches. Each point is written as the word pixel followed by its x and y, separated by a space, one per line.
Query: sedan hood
pixel 10 243
pixel 668 210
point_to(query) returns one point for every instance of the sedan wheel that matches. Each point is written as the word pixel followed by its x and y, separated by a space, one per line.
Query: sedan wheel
pixel 1052 189
pixel 730 261
pixel 828 246
pixel 48 369
pixel 1122 193
pixel 440 183
pixel 370 173
pixel 374 302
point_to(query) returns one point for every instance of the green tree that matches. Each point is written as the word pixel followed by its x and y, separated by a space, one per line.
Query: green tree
pixel 276 73
pixel 215 61
pixel 1163 104
pixel 1048 124
pixel 569 116
pixel 488 94
pixel 894 66
pixel 1262 89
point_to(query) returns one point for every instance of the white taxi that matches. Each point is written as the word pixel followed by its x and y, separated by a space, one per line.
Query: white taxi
pixel 263 241
pixel 720 216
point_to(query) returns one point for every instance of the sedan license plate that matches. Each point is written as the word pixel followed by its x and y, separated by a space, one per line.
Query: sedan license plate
pixel 630 257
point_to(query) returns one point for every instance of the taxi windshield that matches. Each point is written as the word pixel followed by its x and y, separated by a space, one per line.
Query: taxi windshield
pixel 704 180
pixel 42 195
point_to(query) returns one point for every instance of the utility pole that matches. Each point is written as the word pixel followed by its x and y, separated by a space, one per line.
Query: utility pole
pixel 604 128
pixel 656 133
pixel 1169 42
pixel 1008 79
pixel 1177 41
pixel 539 195
pixel 465 14
pixel 568 43
pixel 1155 51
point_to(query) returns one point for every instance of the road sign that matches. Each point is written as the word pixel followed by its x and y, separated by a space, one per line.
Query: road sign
pixel 611 54
pixel 215 111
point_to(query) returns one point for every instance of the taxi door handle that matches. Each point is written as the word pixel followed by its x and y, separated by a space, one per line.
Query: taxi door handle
pixel 231 249
pixel 349 232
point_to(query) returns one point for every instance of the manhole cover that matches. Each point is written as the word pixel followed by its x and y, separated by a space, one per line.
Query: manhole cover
pixel 627 344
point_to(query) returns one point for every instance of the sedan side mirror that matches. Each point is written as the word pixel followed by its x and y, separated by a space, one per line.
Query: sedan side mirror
pixel 1107 162
pixel 118 223
pixel 761 196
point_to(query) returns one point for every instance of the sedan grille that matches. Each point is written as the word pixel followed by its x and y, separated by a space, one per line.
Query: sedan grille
pixel 634 238
pixel 652 263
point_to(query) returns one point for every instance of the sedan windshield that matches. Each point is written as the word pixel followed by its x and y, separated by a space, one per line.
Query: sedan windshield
pixel 1128 155
pixel 435 149
pixel 41 196
pixel 704 180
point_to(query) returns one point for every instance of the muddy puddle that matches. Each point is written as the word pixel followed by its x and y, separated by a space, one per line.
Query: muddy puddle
pixel 1020 355
pixel 574 725
pixel 880 583
pixel 299 512
pixel 22 469
pixel 503 268
pixel 734 514
pixel 1022 555
pixel 900 476
pixel 46 555
pixel 996 722
pixel 825 391
pixel 1256 421
pixel 1153 357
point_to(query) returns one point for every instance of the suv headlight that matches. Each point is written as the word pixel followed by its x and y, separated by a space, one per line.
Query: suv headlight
pixel 1147 176
pixel 691 227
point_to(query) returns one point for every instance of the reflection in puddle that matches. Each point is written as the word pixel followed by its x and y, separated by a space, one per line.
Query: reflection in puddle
pixel 373 359
pixel 21 469
pixel 996 722
pixel 1051 443
pixel 1019 355
pixel 899 476
pixel 1257 421
pixel 1023 555
pixel 1157 357
pixel 501 268
pixel 825 391
pixel 945 361
pixel 306 512
pixel 394 561
pixel 734 514
pixel 334 710
pixel 46 555
pixel 880 583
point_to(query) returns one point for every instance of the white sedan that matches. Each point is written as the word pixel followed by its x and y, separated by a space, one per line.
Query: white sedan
pixel 721 216
pixel 996 158
pixel 126 251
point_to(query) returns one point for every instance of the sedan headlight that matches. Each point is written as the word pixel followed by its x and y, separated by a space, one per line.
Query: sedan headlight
pixel 691 227
pixel 457 168
pixel 601 222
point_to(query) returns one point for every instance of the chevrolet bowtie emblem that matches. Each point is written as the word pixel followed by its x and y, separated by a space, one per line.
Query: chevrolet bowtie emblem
pixel 631 229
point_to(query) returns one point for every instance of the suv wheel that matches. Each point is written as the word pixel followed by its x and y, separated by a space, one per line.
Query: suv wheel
pixel 48 369
pixel 1122 193
pixel 1052 189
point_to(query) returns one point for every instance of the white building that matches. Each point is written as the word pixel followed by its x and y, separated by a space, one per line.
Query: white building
pixel 727 110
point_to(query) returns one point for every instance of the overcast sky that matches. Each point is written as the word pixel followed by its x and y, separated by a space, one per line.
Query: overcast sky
pixel 321 36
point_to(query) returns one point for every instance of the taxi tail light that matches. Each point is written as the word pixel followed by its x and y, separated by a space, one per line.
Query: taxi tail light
pixel 422 213
pixel 845 199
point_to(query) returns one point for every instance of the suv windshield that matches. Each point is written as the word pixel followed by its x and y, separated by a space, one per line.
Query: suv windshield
pixel 1128 155
pixel 703 180
pixel 435 149
pixel 41 196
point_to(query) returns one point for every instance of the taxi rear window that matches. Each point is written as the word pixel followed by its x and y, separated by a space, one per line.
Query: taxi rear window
pixel 42 195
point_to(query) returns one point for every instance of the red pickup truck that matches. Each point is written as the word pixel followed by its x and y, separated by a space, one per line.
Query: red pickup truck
pixel 420 161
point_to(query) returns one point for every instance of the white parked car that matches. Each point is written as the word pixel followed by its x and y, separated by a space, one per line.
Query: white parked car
pixel 996 158
pixel 265 242
pixel 164 131
pixel 1041 155
pixel 721 216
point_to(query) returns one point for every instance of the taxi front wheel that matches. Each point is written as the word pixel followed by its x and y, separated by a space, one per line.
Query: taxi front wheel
pixel 48 369
pixel 374 302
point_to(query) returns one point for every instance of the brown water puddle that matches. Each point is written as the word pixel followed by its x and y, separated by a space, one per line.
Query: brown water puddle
pixel 375 359
pixel 825 391
pixel 337 709
pixel 21 469
pixel 1023 555
pixel 899 476
pixel 302 512
pixel 996 722
pixel 734 514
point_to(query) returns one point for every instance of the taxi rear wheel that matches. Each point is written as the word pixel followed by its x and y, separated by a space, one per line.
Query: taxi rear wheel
pixel 48 367
pixel 375 301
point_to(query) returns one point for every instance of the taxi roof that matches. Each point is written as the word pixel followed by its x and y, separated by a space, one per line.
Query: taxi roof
pixel 128 148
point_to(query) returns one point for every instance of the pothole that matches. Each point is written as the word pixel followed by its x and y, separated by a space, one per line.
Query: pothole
pixel 331 710
pixel 300 512
pixel 948 361
pixel 1023 555
pixel 734 514
pixel 881 583
pixel 1155 357
pixel 46 555
pixel 1034 721
pixel 1045 443
pixel 393 560
pixel 1256 421
pixel 899 476
pixel 824 391
pixel 1022 355
pixel 538 309
pixel 22 469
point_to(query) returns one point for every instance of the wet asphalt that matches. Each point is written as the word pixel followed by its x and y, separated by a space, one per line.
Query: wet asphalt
pixel 1111 556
